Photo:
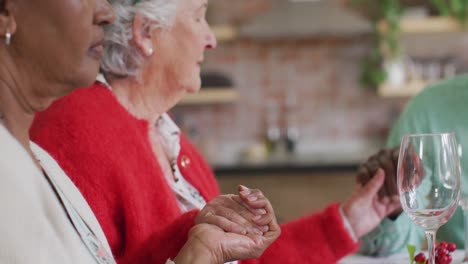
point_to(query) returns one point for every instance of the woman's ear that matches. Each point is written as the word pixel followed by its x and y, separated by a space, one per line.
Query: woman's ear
pixel 142 35
pixel 7 22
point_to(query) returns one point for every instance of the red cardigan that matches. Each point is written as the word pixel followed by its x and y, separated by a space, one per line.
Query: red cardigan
pixel 107 153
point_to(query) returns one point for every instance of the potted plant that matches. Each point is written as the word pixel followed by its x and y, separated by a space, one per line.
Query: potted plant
pixel 384 62
pixel 386 42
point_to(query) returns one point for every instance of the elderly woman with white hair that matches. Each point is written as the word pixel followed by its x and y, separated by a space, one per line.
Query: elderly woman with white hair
pixel 45 219
pixel 145 181
pixel 154 51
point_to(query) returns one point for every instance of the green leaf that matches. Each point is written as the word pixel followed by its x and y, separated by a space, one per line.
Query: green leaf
pixel 459 8
pixel 411 250
pixel 455 6
pixel 442 7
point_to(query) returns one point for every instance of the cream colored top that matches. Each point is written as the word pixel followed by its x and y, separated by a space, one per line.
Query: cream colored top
pixel 34 226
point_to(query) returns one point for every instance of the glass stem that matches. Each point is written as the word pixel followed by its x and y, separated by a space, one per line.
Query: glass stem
pixel 431 245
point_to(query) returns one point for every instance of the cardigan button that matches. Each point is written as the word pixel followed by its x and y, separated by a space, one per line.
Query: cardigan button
pixel 185 162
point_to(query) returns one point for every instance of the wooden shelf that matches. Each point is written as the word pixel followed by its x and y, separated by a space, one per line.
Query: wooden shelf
pixel 407 90
pixel 427 25
pixel 430 25
pixel 425 37
pixel 220 95
pixel 225 33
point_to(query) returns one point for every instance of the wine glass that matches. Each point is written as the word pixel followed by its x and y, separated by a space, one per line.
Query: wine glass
pixel 428 180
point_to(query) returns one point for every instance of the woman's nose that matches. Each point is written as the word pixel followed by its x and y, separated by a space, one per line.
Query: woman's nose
pixel 211 42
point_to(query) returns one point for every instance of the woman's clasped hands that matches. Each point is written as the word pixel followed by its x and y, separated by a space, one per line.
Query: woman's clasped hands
pixel 233 227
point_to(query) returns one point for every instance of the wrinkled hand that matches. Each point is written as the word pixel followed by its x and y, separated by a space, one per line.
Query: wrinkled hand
pixel 386 159
pixel 224 246
pixel 229 213
pixel 365 209
pixel 258 204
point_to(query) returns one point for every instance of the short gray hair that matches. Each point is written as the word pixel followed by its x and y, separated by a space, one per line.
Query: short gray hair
pixel 121 56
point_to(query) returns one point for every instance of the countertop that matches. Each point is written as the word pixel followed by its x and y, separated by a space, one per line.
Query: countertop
pixel 333 157
pixel 292 163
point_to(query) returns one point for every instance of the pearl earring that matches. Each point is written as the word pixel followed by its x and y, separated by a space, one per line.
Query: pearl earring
pixel 149 52
pixel 8 38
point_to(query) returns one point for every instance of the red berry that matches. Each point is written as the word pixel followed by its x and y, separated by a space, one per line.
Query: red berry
pixel 420 257
pixel 444 260
pixel 441 252
pixel 443 245
pixel 449 259
pixel 451 247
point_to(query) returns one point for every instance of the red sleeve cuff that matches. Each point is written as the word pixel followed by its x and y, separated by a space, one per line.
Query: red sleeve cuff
pixel 341 242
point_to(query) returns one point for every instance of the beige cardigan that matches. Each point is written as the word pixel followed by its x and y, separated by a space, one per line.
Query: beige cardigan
pixel 34 227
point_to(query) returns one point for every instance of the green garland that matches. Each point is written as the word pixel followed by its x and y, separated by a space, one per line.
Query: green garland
pixel 454 8
pixel 386 42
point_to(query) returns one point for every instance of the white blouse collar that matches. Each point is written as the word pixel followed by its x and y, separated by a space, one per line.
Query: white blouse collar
pixel 100 78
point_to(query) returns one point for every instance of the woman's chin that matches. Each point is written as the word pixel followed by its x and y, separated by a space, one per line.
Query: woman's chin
pixel 193 89
pixel 86 76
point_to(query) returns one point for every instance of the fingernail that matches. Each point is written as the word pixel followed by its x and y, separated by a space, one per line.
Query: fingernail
pixel 240 230
pixel 243 187
pixel 257 217
pixel 245 193
pixel 262 211
pixel 252 198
